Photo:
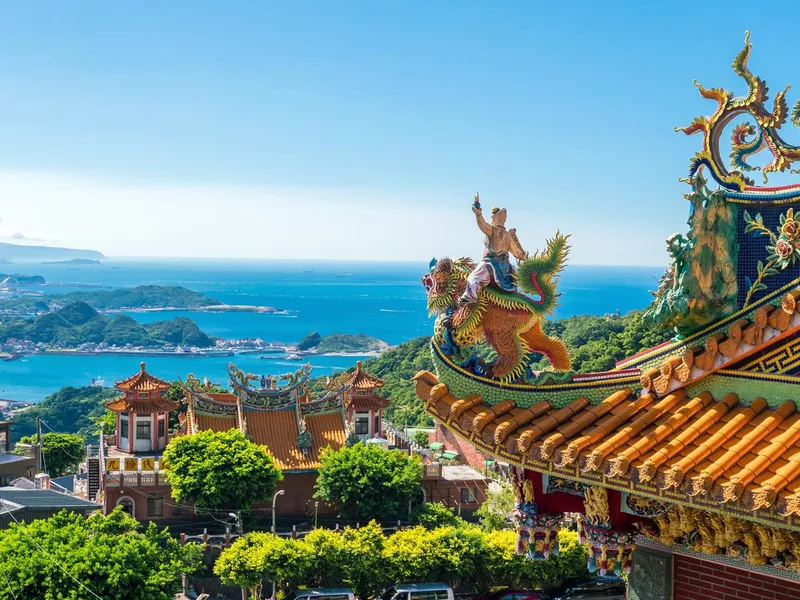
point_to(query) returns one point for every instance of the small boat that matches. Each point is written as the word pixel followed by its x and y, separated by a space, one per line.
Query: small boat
pixel 293 356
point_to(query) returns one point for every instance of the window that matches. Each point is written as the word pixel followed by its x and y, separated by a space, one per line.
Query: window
pixel 178 510
pixel 142 430
pixel 362 424
pixel 155 505
pixel 161 428
pixel 123 427
pixel 468 496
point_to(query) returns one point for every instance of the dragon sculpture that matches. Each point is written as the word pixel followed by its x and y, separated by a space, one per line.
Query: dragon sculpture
pixel 764 134
pixel 509 321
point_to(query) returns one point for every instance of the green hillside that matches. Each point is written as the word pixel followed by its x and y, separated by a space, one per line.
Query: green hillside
pixel 78 323
pixel 595 343
pixel 142 296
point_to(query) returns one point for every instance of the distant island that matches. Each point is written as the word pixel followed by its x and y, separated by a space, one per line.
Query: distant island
pixel 79 326
pixel 140 297
pixel 19 252
pixel 134 299
pixel 72 261
pixel 342 344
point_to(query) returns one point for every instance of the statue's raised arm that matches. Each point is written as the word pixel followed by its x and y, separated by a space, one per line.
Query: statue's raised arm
pixel 476 208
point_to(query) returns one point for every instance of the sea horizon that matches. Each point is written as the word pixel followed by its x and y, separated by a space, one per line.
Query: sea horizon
pixel 381 299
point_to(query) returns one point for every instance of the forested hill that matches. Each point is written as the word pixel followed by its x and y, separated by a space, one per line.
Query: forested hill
pixel 595 343
pixel 78 323
pixel 142 296
pixel 69 410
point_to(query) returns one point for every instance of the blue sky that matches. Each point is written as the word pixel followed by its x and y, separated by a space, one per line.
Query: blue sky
pixel 360 129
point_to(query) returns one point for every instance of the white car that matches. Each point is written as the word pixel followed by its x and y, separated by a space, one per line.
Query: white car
pixel 322 594
pixel 419 591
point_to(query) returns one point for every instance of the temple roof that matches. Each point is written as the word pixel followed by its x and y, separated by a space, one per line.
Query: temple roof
pixel 141 382
pixel 361 380
pixel 274 426
pixel 704 450
pixel 125 404
pixel 277 430
pixel 367 402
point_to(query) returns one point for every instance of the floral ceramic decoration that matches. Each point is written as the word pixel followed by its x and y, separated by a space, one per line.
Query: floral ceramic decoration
pixel 784 247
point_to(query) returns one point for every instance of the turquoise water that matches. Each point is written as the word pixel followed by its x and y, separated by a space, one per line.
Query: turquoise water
pixel 384 300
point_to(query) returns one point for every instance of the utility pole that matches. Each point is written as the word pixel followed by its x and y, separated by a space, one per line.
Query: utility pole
pixel 39 452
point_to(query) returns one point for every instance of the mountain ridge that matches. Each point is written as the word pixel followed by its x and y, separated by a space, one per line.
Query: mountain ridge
pixel 20 252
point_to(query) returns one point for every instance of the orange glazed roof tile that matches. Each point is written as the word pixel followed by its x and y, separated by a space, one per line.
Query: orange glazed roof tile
pixel 125 404
pixel 362 380
pixel 142 382
pixel 714 452
pixel 367 403
pixel 277 430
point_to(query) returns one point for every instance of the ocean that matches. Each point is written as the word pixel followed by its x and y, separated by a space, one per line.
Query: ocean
pixel 384 300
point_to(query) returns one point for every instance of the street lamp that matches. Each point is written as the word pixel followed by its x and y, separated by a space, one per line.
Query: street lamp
pixel 238 518
pixel 274 500
pixel 316 510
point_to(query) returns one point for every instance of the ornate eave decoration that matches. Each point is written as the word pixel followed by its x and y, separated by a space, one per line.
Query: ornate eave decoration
pixel 747 139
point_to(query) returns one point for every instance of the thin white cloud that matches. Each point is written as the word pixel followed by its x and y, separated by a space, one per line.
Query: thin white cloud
pixel 123 219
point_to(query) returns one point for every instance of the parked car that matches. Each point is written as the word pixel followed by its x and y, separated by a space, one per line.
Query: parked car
pixel 509 594
pixel 598 588
pixel 419 591
pixel 322 594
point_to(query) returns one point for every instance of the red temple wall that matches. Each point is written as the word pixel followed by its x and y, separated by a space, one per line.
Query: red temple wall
pixel 696 579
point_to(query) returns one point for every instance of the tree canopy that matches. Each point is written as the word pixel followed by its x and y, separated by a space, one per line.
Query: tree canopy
pixel 220 470
pixel 63 452
pixel 107 555
pixel 366 560
pixel 69 410
pixel 365 481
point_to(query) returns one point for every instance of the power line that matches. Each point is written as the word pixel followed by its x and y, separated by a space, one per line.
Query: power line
pixel 72 456
pixel 47 554
pixel 8 583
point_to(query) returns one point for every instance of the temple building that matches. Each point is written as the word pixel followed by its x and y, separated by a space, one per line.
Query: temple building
pixel 281 416
pixel 684 460
pixel 142 413
pixel 276 412
pixel 363 407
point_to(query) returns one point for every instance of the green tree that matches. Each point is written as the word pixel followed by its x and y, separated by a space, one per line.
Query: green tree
pixel 220 470
pixel 328 549
pixel 435 514
pixel 363 565
pixel 63 452
pixel 262 557
pixel 498 508
pixel 365 481
pixel 106 423
pixel 456 555
pixel 421 438
pixel 68 410
pixel 108 555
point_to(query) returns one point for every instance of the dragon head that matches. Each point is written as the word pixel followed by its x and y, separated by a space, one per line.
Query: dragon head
pixel 445 282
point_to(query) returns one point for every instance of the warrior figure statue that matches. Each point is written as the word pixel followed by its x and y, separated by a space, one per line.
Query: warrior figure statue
pixel 495 267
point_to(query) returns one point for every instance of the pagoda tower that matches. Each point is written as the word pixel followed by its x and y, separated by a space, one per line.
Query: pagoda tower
pixel 142 413
pixel 363 407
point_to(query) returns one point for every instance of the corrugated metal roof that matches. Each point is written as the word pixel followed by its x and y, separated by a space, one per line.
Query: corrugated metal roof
pixel 43 499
